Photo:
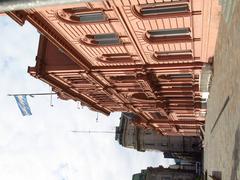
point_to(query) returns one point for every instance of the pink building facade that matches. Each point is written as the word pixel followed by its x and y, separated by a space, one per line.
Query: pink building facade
pixel 140 56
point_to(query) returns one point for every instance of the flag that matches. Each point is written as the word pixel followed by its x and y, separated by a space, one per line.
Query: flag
pixel 23 104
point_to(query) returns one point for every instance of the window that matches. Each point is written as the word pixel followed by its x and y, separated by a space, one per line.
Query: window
pixel 148 133
pixel 104 39
pixel 164 144
pixel 187 78
pixel 174 55
pixel 180 75
pixel 123 78
pixel 169 34
pixel 76 9
pixel 163 10
pixel 149 144
pixel 157 115
pixel 89 17
pixel 84 15
pixel 141 97
pixel 182 86
pixel 116 58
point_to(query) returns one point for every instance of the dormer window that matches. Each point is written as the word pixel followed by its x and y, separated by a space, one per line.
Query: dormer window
pixel 179 34
pixel 174 55
pixel 107 39
pixel 164 10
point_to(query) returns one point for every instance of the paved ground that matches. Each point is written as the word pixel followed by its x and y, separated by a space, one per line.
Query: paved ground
pixel 222 136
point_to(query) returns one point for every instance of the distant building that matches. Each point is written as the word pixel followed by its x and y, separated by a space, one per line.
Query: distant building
pixel 191 157
pixel 161 173
pixel 191 167
pixel 129 56
pixel 187 165
pixel 132 136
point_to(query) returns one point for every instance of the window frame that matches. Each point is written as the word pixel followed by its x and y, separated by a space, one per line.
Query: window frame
pixel 116 58
pixel 179 55
pixel 70 15
pixel 77 17
pixel 169 35
pixel 138 10
pixel 103 40
pixel 181 76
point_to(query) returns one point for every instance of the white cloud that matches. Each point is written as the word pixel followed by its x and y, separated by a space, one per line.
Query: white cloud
pixel 42 146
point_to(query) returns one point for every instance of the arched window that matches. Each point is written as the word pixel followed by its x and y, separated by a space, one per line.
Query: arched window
pixel 162 35
pixel 174 55
pixel 107 39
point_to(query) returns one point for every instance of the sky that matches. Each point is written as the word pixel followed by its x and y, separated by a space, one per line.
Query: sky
pixel 42 146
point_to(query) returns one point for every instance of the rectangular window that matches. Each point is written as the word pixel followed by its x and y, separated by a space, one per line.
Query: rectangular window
pixel 157 115
pixel 148 132
pixel 123 78
pixel 175 53
pixel 163 35
pixel 105 39
pixel 89 17
pixel 164 144
pixel 180 75
pixel 162 10
pixel 77 9
pixel 105 36
pixel 149 144
pixel 179 55
pixel 182 86
pixel 119 57
pixel 108 42
pixel 169 32
pixel 86 15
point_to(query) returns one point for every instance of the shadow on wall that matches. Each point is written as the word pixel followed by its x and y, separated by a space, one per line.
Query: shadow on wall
pixel 236 156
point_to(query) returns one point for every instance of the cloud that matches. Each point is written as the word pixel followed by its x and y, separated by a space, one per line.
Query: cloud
pixel 42 146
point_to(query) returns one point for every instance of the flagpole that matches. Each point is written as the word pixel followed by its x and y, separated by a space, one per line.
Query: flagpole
pixel 33 94
pixel 22 103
